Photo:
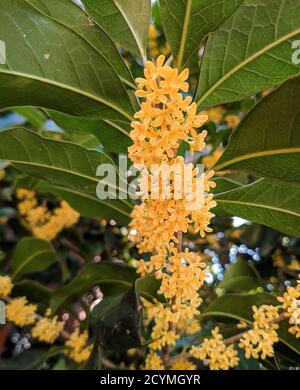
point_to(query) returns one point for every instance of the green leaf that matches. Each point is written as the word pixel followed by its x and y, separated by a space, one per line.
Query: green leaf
pixel 113 135
pixel 224 184
pixel 34 116
pixel 239 307
pixel 32 290
pixel 32 255
pixel 239 277
pixel 33 359
pixel 186 23
pixel 117 322
pixel 70 167
pixel 251 51
pixel 267 142
pixel 69 14
pixel 266 201
pixel 114 279
pixel 51 65
pixel 126 22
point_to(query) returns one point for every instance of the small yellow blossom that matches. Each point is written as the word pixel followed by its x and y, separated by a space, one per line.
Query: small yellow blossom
pixel 6 286
pixel 214 353
pixel 3 220
pixel 2 174
pixel 210 160
pixel 153 362
pixel 39 220
pixel 258 342
pixel 291 304
pixel 47 329
pixel 77 348
pixel 215 114
pixel 20 312
pixel 232 121
pixel 182 364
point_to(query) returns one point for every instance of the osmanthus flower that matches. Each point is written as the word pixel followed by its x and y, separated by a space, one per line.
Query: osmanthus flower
pixel 291 304
pixel 232 120
pixel 6 286
pixel 215 353
pixel 209 160
pixel 258 342
pixel 77 348
pixel 167 118
pixel 20 312
pixel 39 220
pixel 182 364
pixel 153 362
pixel 47 329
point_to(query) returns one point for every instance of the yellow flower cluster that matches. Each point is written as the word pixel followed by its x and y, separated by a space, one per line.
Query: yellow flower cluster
pixel 20 312
pixel 39 220
pixel 2 174
pixel 258 342
pixel 47 329
pixel 215 353
pixel 215 114
pixel 165 119
pixel 6 286
pixel 291 303
pixel 153 43
pixel 77 348
pixel 153 362
pixel 232 120
pixel 182 364
pixel 210 160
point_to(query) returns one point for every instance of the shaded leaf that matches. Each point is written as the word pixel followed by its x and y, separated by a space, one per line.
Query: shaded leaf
pixel 32 255
pixel 114 279
pixel 117 322
pixel 32 290
pixel 113 135
pixel 239 277
pixel 30 360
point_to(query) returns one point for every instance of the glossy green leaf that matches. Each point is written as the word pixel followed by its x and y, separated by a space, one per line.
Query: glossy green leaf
pixel 114 279
pixel 113 135
pixel 239 277
pixel 239 307
pixel 53 66
pixel 32 255
pixel 267 142
pixel 126 22
pixel 69 14
pixel 266 201
pixel 251 51
pixel 187 22
pixel 64 165
pixel 224 184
